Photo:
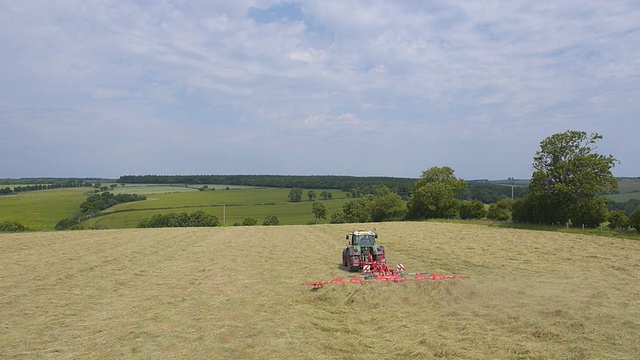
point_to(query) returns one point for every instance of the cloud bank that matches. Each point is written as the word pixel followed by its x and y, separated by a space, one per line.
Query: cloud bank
pixel 323 87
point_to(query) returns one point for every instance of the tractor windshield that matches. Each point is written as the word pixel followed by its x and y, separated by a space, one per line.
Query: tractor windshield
pixel 366 240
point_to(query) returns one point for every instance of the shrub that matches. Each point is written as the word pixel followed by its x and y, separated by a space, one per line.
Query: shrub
pixel 12 226
pixel 472 210
pixel 67 224
pixel 249 221
pixel 271 220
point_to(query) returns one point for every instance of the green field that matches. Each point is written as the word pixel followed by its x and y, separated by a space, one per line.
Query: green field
pixel 41 210
pixel 239 293
pixel 623 197
pixel 230 206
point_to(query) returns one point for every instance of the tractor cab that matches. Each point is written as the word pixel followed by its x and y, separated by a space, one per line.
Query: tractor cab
pixel 361 250
pixel 362 238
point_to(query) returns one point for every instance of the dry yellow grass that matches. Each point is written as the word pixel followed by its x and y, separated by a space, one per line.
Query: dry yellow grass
pixel 236 292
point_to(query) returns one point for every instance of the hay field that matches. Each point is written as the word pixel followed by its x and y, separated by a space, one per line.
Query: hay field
pixel 237 293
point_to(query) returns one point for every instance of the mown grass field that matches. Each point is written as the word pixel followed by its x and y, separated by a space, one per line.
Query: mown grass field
pixel 238 293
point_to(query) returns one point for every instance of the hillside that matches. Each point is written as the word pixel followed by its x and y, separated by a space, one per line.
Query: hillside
pixel 237 292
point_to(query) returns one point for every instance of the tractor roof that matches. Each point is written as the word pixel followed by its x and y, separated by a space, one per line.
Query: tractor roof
pixel 363 232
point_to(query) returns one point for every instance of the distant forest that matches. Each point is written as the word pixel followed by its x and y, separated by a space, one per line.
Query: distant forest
pixel 356 186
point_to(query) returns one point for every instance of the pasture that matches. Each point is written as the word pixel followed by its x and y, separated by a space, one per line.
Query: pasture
pixel 237 292
pixel 41 210
pixel 232 206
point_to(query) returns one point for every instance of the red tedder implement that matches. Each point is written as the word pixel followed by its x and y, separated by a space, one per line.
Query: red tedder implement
pixel 362 254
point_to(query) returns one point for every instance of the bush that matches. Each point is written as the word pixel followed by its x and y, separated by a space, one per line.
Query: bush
pixel 12 226
pixel 67 224
pixel 500 210
pixel 472 210
pixel 248 221
pixel 271 220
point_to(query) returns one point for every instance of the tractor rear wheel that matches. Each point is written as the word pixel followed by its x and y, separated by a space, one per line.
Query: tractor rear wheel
pixel 351 266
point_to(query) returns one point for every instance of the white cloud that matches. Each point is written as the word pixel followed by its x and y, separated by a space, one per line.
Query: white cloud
pixel 439 73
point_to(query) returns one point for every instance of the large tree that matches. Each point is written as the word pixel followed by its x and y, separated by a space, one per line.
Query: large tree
pixel 568 177
pixel 295 195
pixel 319 211
pixel 435 194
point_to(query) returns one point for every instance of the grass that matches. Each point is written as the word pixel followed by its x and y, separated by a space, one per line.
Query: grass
pixel 236 292
pixel 629 185
pixel 622 198
pixel 42 209
pixel 231 205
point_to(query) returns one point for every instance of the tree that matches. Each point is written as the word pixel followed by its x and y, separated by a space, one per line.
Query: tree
pixel 568 176
pixel 319 210
pixel 472 210
pixel 618 220
pixel 435 194
pixel 311 195
pixel 271 220
pixel 500 210
pixel 634 219
pixel 295 195
pixel 325 195
pixel 385 205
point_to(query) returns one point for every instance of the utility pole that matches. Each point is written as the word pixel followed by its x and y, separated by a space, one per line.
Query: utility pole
pixel 511 188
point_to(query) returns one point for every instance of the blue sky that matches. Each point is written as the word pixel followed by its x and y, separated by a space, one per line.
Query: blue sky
pixel 365 88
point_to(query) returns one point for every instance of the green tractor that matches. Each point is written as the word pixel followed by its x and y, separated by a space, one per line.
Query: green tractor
pixel 362 251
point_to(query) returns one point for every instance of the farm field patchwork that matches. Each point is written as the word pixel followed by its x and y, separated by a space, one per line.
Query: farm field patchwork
pixel 237 292
pixel 232 206
pixel 41 210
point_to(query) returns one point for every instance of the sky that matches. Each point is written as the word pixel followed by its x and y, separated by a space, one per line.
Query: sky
pixel 361 88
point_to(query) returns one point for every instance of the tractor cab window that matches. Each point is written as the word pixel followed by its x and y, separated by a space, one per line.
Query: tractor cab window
pixel 366 240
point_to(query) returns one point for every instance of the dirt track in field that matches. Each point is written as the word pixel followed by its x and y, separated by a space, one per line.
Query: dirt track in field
pixel 236 292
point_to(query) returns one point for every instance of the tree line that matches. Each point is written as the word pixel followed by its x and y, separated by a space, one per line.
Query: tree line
pixel 338 182
pixel 56 185
pixel 566 189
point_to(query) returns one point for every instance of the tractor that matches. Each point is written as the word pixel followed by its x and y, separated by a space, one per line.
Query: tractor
pixel 362 251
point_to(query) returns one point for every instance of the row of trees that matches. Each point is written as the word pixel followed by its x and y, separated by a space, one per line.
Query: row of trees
pixel 99 202
pixel 17 189
pixel 195 219
pixel 344 183
pixel 295 195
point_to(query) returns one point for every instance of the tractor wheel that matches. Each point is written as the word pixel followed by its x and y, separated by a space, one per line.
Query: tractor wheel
pixel 344 257
pixel 350 266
